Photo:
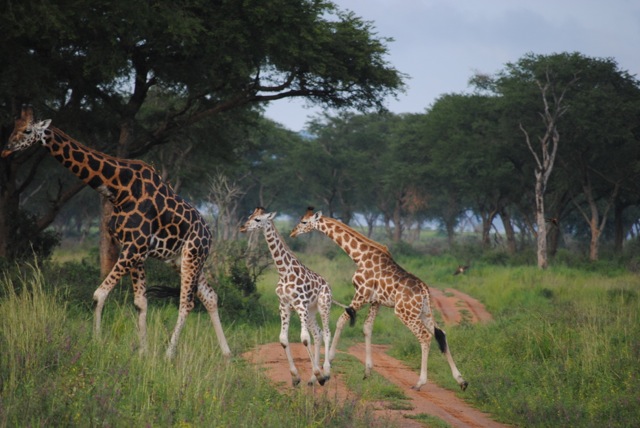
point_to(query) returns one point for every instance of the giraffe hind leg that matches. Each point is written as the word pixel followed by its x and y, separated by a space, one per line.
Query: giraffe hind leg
pixel 209 299
pixel 312 326
pixel 441 338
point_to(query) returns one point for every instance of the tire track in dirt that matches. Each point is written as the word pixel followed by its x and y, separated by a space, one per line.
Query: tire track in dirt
pixel 454 306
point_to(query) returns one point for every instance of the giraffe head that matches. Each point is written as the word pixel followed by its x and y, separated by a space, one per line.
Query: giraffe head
pixel 257 220
pixel 307 223
pixel 25 133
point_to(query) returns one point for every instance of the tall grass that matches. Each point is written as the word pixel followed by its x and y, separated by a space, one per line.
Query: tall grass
pixel 563 349
pixel 53 373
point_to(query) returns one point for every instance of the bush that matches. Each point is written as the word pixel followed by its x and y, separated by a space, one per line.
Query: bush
pixel 24 243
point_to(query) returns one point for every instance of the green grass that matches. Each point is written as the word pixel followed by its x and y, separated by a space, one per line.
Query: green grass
pixel 53 373
pixel 563 350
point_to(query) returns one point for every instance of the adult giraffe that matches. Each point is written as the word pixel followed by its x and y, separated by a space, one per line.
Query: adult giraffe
pixel 149 220
pixel 301 289
pixel 379 280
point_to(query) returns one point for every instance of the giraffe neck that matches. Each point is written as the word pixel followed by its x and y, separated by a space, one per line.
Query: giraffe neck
pixel 102 172
pixel 355 244
pixel 282 255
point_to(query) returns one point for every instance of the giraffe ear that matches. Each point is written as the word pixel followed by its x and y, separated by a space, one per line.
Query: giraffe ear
pixel 43 124
pixel 272 215
pixel 317 215
pixel 26 114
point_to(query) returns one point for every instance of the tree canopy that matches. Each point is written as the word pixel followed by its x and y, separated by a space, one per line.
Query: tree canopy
pixel 126 76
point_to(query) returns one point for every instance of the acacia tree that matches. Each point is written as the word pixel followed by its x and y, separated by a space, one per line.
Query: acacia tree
pixel 548 79
pixel 92 65
pixel 601 142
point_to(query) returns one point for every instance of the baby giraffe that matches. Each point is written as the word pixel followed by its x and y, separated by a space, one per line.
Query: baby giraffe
pixel 301 289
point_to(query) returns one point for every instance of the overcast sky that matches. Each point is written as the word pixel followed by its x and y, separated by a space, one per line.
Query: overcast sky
pixel 440 44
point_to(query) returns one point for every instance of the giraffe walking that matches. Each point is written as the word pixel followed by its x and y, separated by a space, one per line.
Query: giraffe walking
pixel 300 289
pixel 149 220
pixel 379 280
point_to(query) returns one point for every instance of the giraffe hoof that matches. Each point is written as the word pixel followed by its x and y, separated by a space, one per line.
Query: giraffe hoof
pixel 464 385
pixel 295 381
pixel 322 380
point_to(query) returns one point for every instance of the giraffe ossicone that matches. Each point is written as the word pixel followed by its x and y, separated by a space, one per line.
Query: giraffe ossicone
pixel 302 290
pixel 149 220
pixel 380 281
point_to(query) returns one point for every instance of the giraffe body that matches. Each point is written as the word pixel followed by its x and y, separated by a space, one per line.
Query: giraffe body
pixel 149 220
pixel 380 281
pixel 302 290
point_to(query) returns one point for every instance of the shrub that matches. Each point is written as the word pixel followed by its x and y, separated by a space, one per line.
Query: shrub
pixel 24 243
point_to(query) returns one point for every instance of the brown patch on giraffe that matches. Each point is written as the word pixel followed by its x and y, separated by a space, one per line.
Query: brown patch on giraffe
pixel 431 399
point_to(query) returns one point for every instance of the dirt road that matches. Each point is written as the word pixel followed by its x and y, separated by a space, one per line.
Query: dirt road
pixel 455 307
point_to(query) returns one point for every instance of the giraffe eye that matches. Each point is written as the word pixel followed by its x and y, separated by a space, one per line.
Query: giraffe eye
pixel 258 220
pixel 27 131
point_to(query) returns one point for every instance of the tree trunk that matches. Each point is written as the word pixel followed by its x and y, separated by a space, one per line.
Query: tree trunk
pixel 508 230
pixel 541 222
pixel 109 249
pixel 8 211
pixel 618 224
pixel 553 240
pixel 450 226
pixel 487 222
pixel 397 223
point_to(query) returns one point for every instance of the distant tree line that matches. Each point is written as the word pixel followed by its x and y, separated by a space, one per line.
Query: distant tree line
pixel 548 147
pixel 128 77
pixel 573 119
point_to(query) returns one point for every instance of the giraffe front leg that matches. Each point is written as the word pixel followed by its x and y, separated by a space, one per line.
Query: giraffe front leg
pixel 285 316
pixel 425 345
pixel 121 267
pixel 188 289
pixel 368 330
pixel 140 301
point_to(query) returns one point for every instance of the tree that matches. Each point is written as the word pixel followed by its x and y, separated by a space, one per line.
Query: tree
pixel 92 66
pixel 601 143
pixel 550 78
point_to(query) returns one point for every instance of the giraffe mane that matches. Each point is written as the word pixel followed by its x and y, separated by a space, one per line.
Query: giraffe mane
pixel 359 236
pixel 59 132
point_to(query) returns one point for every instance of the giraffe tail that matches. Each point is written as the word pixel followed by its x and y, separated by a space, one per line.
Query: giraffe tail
pixel 352 316
pixel 441 338
pixel 349 310
pixel 335 302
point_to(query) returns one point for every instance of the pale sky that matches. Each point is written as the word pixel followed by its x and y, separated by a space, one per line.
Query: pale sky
pixel 440 44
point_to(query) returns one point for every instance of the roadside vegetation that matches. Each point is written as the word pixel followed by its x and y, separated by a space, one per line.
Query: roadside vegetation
pixel 562 349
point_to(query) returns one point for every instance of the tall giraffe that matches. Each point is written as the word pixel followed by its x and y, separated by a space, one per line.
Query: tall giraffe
pixel 301 289
pixel 379 280
pixel 149 220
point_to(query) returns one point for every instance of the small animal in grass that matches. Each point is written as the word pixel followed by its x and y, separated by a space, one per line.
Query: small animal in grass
pixel 461 269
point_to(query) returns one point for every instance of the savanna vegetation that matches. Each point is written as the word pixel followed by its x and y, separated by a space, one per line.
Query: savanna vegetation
pixel 562 349
pixel 536 167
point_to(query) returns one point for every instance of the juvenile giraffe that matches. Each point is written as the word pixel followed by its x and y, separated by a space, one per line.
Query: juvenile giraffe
pixel 149 220
pixel 379 280
pixel 300 289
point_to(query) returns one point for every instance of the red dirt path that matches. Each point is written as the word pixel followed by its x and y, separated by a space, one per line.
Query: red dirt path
pixel 431 399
